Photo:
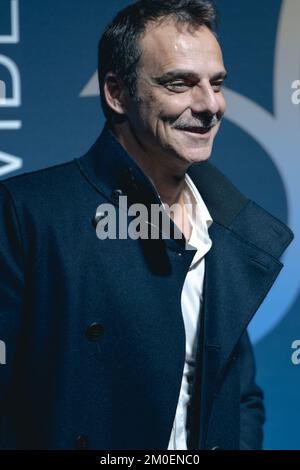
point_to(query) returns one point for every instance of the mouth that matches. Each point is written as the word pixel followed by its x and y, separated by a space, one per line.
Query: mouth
pixel 198 130
pixel 205 131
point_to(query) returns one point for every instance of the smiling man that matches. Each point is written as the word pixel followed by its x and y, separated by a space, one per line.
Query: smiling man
pixel 125 343
pixel 175 110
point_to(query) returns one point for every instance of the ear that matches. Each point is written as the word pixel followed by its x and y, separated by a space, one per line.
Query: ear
pixel 114 93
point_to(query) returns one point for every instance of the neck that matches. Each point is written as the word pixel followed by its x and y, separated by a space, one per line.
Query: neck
pixel 166 174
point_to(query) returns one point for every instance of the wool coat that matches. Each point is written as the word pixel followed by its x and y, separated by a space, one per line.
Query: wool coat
pixel 93 329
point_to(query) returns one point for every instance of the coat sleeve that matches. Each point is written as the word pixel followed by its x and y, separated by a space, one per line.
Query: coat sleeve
pixel 252 411
pixel 11 291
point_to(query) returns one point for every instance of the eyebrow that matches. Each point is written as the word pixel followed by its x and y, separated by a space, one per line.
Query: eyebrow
pixel 182 73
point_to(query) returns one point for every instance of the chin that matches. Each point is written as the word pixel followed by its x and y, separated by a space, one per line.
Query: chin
pixel 203 158
pixel 197 157
pixel 191 156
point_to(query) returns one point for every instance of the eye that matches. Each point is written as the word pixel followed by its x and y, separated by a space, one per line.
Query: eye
pixel 178 86
pixel 217 86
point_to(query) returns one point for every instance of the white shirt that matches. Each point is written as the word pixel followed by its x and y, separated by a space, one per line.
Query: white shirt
pixel 191 302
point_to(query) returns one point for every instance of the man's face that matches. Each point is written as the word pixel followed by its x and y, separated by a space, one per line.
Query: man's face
pixel 179 102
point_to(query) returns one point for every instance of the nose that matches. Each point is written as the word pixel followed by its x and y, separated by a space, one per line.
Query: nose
pixel 204 99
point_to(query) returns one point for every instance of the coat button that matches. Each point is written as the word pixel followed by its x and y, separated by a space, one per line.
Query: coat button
pixel 81 442
pixel 94 331
pixel 116 194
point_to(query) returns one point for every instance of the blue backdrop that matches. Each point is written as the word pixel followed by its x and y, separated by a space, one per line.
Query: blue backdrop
pixel 50 113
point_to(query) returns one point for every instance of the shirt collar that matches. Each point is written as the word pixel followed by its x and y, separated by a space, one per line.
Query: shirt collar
pixel 205 215
pixel 200 220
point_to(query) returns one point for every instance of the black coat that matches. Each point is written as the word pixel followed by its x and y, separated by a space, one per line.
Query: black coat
pixel 94 334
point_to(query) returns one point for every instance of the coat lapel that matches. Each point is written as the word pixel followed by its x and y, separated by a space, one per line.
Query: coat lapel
pixel 238 277
pixel 240 269
pixel 243 262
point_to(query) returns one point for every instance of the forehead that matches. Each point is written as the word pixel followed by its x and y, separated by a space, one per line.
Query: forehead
pixel 167 45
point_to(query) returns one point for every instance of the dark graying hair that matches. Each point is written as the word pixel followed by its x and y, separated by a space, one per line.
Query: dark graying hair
pixel 119 50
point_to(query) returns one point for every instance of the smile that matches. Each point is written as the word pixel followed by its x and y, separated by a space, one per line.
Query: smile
pixel 201 131
pixel 198 130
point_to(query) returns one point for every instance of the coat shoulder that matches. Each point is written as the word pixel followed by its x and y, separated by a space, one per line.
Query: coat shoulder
pixel 46 192
pixel 241 215
pixel 42 181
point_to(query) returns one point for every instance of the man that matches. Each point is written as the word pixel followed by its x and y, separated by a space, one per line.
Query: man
pixel 124 343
